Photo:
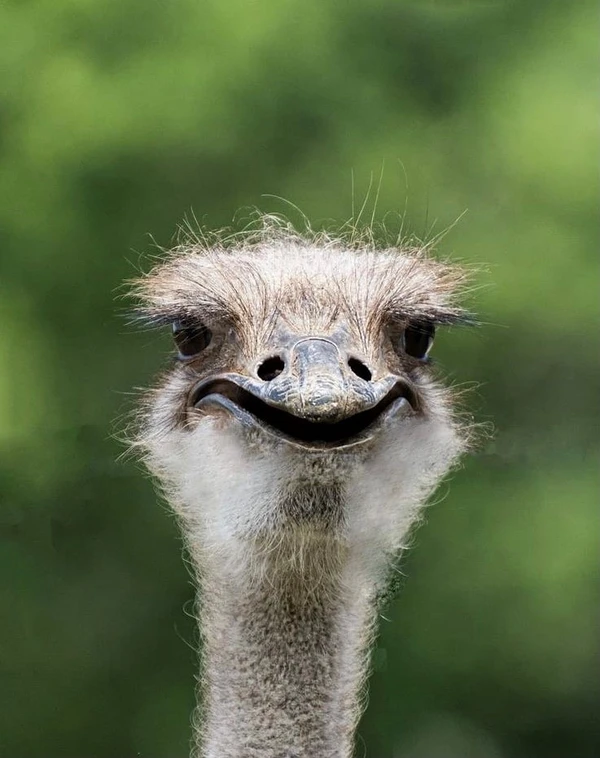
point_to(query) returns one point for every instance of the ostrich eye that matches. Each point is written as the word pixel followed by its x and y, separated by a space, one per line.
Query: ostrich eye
pixel 190 338
pixel 418 339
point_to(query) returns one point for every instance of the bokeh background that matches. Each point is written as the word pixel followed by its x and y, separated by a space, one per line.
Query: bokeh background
pixel 120 118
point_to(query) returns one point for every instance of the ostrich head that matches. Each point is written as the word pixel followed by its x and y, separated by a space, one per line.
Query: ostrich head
pixel 302 365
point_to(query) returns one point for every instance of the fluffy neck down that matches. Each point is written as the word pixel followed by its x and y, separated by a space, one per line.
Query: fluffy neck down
pixel 286 630
pixel 292 553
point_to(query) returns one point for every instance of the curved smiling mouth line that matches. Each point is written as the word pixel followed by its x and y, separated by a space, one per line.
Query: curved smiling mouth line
pixel 232 396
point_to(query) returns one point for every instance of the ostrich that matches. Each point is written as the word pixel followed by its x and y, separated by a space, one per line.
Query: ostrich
pixel 296 437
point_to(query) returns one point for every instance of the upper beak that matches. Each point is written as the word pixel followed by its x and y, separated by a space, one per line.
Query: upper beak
pixel 321 396
pixel 319 385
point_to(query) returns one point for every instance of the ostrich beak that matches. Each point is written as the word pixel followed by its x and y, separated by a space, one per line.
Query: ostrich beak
pixel 318 397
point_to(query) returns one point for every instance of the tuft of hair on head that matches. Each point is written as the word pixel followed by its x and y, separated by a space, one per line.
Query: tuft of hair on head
pixel 244 276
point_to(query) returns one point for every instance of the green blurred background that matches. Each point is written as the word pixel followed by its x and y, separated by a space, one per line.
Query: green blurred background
pixel 118 119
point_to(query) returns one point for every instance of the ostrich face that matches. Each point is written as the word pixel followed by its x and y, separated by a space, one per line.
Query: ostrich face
pixel 310 391
pixel 297 363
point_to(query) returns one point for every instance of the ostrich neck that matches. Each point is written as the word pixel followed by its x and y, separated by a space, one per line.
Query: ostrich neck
pixel 286 634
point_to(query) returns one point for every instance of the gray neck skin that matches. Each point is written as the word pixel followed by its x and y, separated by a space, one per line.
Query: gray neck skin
pixel 285 653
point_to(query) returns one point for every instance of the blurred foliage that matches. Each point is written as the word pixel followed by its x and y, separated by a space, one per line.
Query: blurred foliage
pixel 117 119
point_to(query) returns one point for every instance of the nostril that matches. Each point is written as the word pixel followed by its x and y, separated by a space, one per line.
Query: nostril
pixel 359 368
pixel 270 368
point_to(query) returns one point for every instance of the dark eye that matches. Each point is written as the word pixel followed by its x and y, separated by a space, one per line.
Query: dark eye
pixel 418 338
pixel 191 338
